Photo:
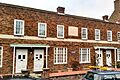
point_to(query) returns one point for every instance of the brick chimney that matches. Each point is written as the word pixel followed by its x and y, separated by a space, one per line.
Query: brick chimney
pixel 105 18
pixel 61 10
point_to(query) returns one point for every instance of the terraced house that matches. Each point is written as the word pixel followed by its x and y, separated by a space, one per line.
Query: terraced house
pixel 33 39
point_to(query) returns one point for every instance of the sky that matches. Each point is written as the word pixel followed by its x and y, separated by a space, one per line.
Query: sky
pixel 86 8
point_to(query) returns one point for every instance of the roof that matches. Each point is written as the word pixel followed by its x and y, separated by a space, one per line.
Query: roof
pixel 51 12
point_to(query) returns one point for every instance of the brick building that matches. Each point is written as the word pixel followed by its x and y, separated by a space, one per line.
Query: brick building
pixel 33 39
pixel 115 17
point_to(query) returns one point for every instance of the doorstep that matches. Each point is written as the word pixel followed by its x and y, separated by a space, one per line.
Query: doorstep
pixel 58 74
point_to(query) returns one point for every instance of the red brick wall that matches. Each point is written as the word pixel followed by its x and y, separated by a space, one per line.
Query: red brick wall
pixel 32 17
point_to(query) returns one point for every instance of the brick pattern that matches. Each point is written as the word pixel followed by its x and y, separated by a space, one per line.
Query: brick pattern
pixel 32 17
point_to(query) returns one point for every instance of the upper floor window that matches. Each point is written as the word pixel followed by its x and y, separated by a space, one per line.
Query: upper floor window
pixel 84 55
pixel 42 29
pixel 109 35
pixel 84 33
pixel 60 55
pixel 18 27
pixel 97 34
pixel 1 55
pixel 118 36
pixel 60 31
pixel 118 54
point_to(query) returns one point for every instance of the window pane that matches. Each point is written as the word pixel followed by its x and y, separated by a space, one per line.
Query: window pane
pixel 19 27
pixel 60 55
pixel 42 29
pixel 60 31
pixel 84 55
pixel 19 56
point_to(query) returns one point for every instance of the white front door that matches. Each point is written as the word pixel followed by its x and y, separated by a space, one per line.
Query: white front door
pixel 21 60
pixel 99 57
pixel 108 57
pixel 38 59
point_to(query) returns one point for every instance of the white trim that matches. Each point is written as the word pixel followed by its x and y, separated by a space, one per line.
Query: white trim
pixel 15 26
pixel 46 57
pixel 115 59
pixel 45 29
pixel 4 36
pixel 97 33
pixel 1 56
pixel 109 35
pixel 104 47
pixel 13 72
pixel 118 37
pixel 88 52
pixel 86 34
pixel 57 31
pixel 64 52
pixel 29 45
pixel 118 53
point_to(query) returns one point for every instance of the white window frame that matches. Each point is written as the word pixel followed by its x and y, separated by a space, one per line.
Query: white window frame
pixel 45 30
pixel 118 54
pixel 109 35
pixel 118 36
pixel 86 34
pixel 58 32
pixel 97 34
pixel 80 56
pixel 56 57
pixel 1 55
pixel 15 20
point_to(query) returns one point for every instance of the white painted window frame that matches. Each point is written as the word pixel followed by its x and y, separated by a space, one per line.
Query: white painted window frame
pixel 118 53
pixel 15 20
pixel 118 37
pixel 45 29
pixel 56 61
pixel 88 52
pixel 86 34
pixel 97 33
pixel 109 36
pixel 58 30
pixel 1 55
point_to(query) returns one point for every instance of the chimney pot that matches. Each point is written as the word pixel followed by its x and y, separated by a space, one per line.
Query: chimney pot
pixel 61 10
pixel 105 18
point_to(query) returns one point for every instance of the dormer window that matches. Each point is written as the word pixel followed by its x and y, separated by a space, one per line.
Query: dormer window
pixel 18 27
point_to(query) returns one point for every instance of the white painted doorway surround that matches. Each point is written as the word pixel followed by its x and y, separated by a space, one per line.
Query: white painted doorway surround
pixel 21 60
pixel 38 59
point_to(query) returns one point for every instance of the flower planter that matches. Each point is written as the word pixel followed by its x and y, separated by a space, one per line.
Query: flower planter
pixel 70 69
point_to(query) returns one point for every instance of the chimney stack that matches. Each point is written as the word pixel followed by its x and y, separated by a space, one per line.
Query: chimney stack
pixel 60 10
pixel 105 18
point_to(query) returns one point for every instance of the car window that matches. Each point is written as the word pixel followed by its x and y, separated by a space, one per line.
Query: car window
pixel 117 76
pixel 97 77
pixel 109 77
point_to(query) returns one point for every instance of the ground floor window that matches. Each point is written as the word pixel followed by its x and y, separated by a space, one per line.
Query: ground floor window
pixel 1 54
pixel 118 54
pixel 84 55
pixel 60 55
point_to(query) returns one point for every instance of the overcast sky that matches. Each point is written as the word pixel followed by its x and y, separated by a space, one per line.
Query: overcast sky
pixel 86 8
